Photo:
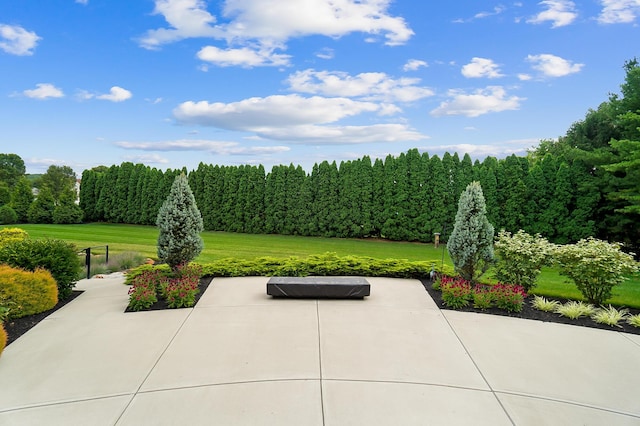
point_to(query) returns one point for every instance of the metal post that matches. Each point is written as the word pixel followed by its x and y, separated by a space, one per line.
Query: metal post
pixel 88 261
pixel 107 258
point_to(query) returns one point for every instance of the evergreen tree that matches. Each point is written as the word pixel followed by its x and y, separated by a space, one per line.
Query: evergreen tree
pixel 470 245
pixel 88 197
pixel 180 224
pixel 326 197
pixel 377 201
pixel 66 210
pixel 275 200
pixel 438 197
pixel 254 203
pixel 21 199
pixel 41 210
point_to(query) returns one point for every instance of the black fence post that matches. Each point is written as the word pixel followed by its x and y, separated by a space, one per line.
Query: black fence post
pixel 107 257
pixel 88 261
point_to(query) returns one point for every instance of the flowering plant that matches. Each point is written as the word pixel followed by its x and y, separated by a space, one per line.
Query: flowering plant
pixel 181 291
pixel 482 297
pixel 509 297
pixel 456 292
pixel 142 294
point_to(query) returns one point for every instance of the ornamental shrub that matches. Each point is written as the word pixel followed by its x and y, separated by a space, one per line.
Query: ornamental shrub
pixel 470 244
pixel 3 338
pixel 180 225
pixel 8 215
pixel 520 258
pixel 56 256
pixel 595 266
pixel 28 292
pixel 8 235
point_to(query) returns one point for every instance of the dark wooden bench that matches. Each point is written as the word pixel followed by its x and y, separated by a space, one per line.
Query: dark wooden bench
pixel 319 287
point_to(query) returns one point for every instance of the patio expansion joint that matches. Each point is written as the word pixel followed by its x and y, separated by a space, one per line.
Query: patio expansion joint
pixel 320 360
pixel 475 364
pixel 568 402
pixel 62 402
pixel 146 377
pixel 240 382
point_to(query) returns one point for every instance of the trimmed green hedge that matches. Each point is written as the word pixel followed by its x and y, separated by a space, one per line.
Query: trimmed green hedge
pixel 327 264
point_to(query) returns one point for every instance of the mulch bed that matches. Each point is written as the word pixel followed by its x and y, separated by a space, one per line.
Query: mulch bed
pixel 17 327
pixel 528 312
pixel 162 304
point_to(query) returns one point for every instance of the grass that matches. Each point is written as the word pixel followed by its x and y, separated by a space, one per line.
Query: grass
pixel 219 245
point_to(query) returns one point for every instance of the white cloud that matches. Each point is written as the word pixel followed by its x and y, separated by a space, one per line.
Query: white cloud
pixel 44 91
pixel 146 159
pixel 414 64
pixel 245 57
pixel 116 94
pixel 275 21
pixel 524 77
pixel 273 111
pixel 619 11
pixel 481 15
pixel 17 41
pixel 368 86
pixel 340 135
pixel 187 18
pixel 297 119
pixel 482 101
pixel 559 12
pixel 215 147
pixel 325 53
pixel 499 149
pixel 278 20
pixel 481 67
pixel 85 2
pixel 553 66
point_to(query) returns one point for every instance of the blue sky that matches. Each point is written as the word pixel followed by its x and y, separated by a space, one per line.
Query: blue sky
pixel 172 83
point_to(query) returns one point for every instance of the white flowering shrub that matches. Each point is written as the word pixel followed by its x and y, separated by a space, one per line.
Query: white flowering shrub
pixel 595 266
pixel 470 244
pixel 520 257
pixel 180 224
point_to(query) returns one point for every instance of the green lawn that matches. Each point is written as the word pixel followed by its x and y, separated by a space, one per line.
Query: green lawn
pixel 218 245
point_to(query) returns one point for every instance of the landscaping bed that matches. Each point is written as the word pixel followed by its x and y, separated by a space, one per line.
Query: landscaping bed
pixel 16 328
pixel 528 312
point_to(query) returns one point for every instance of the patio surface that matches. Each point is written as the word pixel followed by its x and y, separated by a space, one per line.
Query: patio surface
pixel 241 357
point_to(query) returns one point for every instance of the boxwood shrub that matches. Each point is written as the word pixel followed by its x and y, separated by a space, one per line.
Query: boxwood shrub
pixel 56 256
pixel 27 292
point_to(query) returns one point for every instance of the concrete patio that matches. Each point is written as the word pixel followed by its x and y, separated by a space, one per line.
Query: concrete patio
pixel 242 358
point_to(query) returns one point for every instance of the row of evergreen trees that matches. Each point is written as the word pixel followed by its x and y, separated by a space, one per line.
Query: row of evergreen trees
pixel 408 197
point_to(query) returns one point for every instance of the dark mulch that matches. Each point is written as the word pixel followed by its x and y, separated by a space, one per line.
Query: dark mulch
pixel 528 312
pixel 162 304
pixel 17 327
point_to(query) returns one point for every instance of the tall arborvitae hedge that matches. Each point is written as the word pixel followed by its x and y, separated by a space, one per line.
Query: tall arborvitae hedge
pixel 406 197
